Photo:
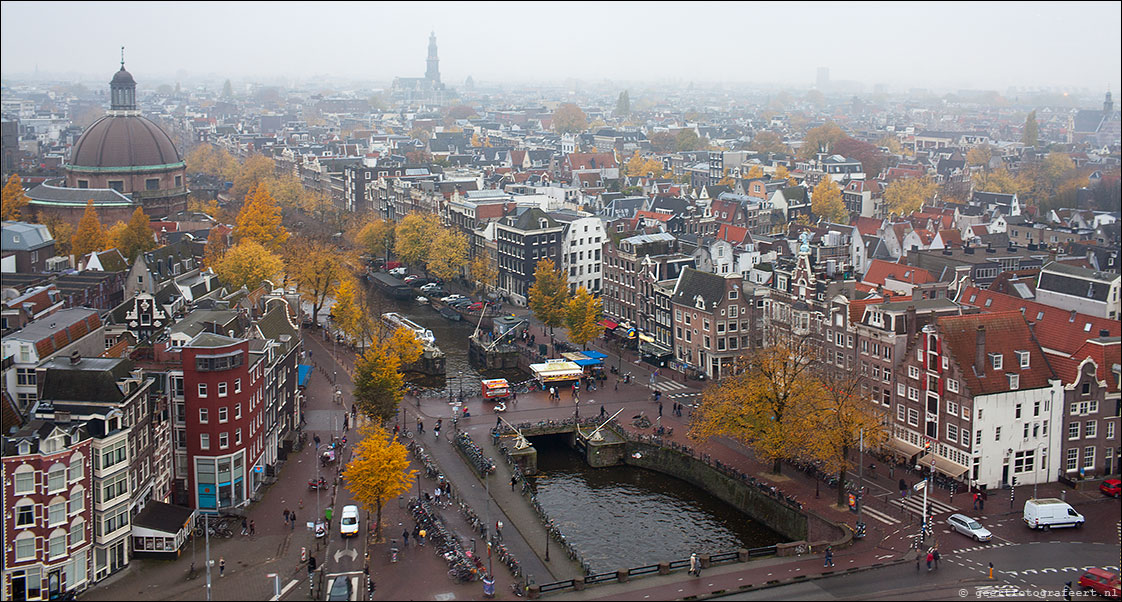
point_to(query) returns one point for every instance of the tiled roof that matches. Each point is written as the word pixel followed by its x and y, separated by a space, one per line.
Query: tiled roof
pixel 880 270
pixel 1055 328
pixel 1005 334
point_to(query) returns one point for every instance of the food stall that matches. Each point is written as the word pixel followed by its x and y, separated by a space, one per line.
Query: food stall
pixel 592 362
pixel 495 388
pixel 556 371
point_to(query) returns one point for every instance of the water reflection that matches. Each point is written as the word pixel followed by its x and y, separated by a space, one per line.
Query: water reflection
pixel 624 517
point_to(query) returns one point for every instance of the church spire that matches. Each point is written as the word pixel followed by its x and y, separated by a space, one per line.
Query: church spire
pixel 122 89
pixel 432 72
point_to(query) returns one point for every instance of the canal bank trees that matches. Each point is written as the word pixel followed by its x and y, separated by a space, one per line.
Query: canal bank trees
pixel 414 236
pixel 260 220
pixel 379 471
pixel 348 312
pixel 448 254
pixel 317 268
pixel 549 294
pixel 764 404
pixel 248 264
pixel 582 317
pixel 484 272
pixel 378 382
pixel 376 237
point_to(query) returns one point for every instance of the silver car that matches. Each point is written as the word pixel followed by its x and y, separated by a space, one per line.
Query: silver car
pixel 968 526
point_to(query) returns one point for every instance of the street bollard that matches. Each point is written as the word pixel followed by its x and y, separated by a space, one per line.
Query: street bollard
pixel 991 570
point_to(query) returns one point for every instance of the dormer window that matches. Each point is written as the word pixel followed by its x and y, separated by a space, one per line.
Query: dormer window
pixel 1023 358
pixel 1014 381
pixel 996 360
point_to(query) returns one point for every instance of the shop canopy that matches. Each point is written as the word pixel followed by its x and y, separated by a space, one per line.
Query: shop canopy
pixel 582 359
pixel 303 371
pixel 556 370
pixel 606 323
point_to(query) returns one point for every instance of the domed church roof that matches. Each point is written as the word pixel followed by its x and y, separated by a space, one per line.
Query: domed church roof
pixel 123 77
pixel 123 141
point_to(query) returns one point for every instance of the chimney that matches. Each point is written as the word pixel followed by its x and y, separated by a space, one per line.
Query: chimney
pixel 910 321
pixel 75 357
pixel 980 351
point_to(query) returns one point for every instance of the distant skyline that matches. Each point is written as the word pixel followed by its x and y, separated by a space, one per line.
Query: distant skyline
pixel 939 46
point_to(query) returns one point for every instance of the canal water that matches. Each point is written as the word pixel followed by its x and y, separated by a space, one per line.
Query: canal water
pixel 451 337
pixel 623 517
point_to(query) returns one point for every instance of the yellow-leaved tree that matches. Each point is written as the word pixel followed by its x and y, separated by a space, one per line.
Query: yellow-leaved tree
pixel 569 119
pixel 378 471
pixel 1000 181
pixel 405 345
pixel 256 169
pixel 549 294
pixel 781 173
pixel 348 311
pixel 134 237
pixel 907 195
pixel 378 382
pixel 763 402
pixel 217 243
pixel 484 272
pixel 316 266
pixel 260 220
pixel 248 264
pixel 820 140
pixel 837 421
pixel 756 171
pixel 448 254
pixel 91 236
pixel 14 199
pixel 376 237
pixel 582 317
pixel 61 230
pixel 414 236
pixel 826 202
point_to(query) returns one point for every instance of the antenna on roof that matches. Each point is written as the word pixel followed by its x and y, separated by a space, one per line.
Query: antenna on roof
pixel 122 57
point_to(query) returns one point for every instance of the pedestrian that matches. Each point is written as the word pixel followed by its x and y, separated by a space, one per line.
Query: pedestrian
pixel 245 526
pixel 660 409
pixel 1067 590
pixel 499 530
pixel 421 538
pixel 221 566
pixel 405 538
pixel 930 558
pixel 420 426
pixel 292 525
pixel 829 557
pixel 616 387
pixel 935 555
pixel 436 495
pixel 417 533
pixel 695 565
pixel 891 469
pixel 975 500
pixel 286 517
pixel 396 430
pixel 315 438
pixel 903 488
pixel 513 482
pixel 982 501
pixel 603 412
pixel 252 528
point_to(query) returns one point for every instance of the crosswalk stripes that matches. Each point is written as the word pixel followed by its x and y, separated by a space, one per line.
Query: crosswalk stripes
pixel 914 504
pixel 669 385
pixel 882 517
pixel 681 395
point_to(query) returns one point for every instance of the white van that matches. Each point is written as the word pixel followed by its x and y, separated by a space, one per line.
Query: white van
pixel 348 522
pixel 1046 513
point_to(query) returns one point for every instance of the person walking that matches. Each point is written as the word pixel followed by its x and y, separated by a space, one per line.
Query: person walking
pixel 603 412
pixel 405 538
pixel 930 558
pixel 286 517
pixel 252 528
pixel 499 530
pixel 221 566
pixel 245 526
pixel 660 409
pixel 513 482
pixel 292 525
pixel 436 495
pixel 695 565
pixel 829 561
pixel 975 500
pixel 421 538
pixel 935 556
pixel 420 426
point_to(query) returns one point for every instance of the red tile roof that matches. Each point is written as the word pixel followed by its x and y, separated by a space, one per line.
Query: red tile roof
pixel 1056 329
pixel 734 234
pixel 880 270
pixel 951 237
pixel 867 226
pixel 1006 333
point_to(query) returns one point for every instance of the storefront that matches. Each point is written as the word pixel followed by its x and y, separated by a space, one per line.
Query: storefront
pixel 556 371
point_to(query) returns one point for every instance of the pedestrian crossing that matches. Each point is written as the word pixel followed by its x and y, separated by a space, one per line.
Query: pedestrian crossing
pixel 914 504
pixel 668 385
pixel 880 516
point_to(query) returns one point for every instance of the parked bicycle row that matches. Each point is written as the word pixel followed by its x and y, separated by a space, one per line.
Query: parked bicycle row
pixel 463 566
pixel 483 464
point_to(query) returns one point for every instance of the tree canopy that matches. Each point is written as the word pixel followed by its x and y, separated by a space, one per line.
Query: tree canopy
pixel 260 220
pixel 549 294
pixel 569 119
pixel 907 195
pixel 826 202
pixel 582 317
pixel 134 237
pixel 378 471
pixel 248 264
pixel 14 199
pixel 91 236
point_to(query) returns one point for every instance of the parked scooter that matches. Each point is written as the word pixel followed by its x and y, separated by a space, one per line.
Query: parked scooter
pixel 313 484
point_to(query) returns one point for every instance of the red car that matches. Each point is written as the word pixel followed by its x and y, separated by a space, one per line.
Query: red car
pixel 1111 487
pixel 1102 582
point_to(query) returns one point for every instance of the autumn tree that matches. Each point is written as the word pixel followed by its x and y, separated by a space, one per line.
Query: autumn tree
pixel 61 230
pixel 569 119
pixel 892 144
pixel 756 171
pixel 1031 133
pixel 979 156
pixel 907 195
pixel 217 243
pixel 836 420
pixel 548 294
pixel 448 254
pixel 211 160
pixel 14 199
pixel 377 237
pixel 820 139
pixel 316 267
pixel 767 142
pixel 134 237
pixel 781 173
pixel 873 161
pixel 762 402
pixel 91 236
pixel 1000 181
pixel 582 317
pixel 414 236
pixel 484 272
pixel 663 142
pixel 461 112
pixel 826 202
pixel 378 382
pixel 404 344
pixel 260 219
pixel 378 471
pixel 347 312
pixel 687 140
pixel 256 169
pixel 1046 177
pixel 248 264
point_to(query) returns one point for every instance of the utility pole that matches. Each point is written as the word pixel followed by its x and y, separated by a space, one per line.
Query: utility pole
pixel 206 532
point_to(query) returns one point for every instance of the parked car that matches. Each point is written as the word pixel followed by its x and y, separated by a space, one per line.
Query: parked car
pixel 432 288
pixel 969 527
pixel 475 306
pixel 1111 487
pixel 451 298
pixel 340 590
pixel 1102 582
pixel 348 522
pixel 1046 513
pixel 398 271
pixel 411 278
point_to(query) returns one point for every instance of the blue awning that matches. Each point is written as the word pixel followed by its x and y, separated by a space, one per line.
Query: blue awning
pixel 303 372
pixel 596 355
pixel 587 362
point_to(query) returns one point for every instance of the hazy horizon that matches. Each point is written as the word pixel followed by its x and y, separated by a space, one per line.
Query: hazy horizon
pixel 938 46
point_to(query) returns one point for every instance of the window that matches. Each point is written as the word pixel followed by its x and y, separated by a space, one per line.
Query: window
pixel 901 389
pixel 25 376
pixel 1023 461
pixel 1090 429
pixel 222 389
pixel 1089 457
pixel 978 438
pixel 223 440
pixel 152 184
pixel 237 411
pixel 58 546
pixel 238 437
pixel 1023 358
pixel 202 389
pixel 204 441
pixel 83 183
pixel 118 185
pixel 1014 381
pixel 900 411
pixel 237 385
pixel 223 414
pixel 76 469
pixel 952 385
pixel 77 501
pixel 913 393
pixel 25 548
pixel 1110 430
pixel 913 372
pixel 952 432
pixel 204 415
pixel 178 181
pixel 996 359
pixel 56 478
pixel 25 515
pixel 997 433
pixel 952 408
pixel 965 438
pixel 1073 430
pixel 57 513
pixel 913 417
pixel 1017 412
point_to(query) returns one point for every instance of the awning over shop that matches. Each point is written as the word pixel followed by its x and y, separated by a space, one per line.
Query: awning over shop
pixel 653 349
pixel 596 355
pixel 948 467
pixel 606 323
pixel 556 370
pixel 583 358
pixel 303 372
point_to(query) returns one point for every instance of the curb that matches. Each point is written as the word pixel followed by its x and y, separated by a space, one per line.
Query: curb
pixel 797 579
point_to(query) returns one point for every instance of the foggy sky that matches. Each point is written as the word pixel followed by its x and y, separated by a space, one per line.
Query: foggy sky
pixel 933 45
